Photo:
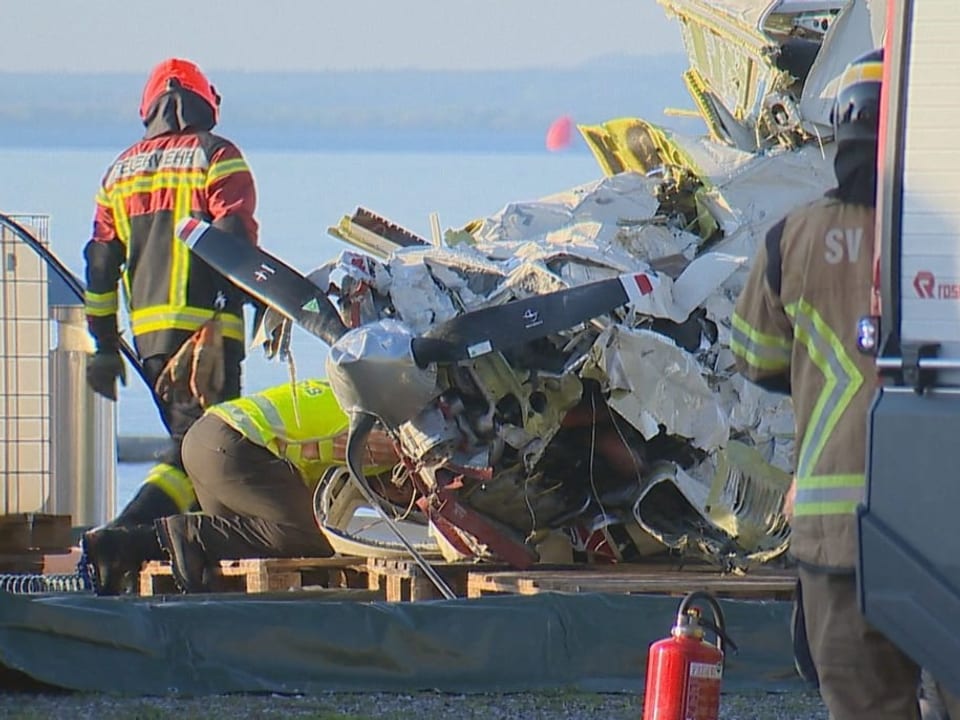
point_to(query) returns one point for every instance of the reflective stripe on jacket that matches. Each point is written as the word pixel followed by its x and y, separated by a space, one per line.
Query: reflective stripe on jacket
pixel 147 190
pixel 270 419
pixel 795 327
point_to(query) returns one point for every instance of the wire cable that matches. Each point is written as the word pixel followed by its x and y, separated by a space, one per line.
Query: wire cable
pixel 37 584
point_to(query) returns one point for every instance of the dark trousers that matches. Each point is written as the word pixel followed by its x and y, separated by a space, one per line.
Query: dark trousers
pixel 173 492
pixel 863 676
pixel 253 503
pixel 179 415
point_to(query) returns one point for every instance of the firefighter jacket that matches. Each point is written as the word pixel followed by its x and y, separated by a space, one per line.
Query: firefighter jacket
pixel 147 190
pixel 794 329
pixel 295 422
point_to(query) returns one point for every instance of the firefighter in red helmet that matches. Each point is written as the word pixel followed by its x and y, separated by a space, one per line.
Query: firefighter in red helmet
pixel 178 306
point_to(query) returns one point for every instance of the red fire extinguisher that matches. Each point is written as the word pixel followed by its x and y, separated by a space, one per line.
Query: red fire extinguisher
pixel 684 670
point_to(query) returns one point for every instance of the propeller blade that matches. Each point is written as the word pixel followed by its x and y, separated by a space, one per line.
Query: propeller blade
pixel 464 337
pixel 265 277
pixel 501 327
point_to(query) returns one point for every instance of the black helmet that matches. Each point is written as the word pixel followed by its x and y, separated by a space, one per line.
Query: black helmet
pixel 856 110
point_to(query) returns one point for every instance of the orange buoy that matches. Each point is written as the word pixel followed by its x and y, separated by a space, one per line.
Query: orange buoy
pixel 560 133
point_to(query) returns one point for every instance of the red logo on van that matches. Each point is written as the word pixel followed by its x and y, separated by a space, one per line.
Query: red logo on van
pixel 928 288
pixel 924 283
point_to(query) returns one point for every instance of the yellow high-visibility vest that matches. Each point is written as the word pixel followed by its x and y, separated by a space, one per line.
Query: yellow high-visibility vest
pixel 270 419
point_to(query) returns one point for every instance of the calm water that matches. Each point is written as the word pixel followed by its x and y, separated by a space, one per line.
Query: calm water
pixel 300 196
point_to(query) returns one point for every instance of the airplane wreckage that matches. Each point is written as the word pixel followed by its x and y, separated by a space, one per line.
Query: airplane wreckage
pixel 560 374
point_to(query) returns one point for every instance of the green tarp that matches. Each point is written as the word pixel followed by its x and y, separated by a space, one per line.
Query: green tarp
pixel 195 646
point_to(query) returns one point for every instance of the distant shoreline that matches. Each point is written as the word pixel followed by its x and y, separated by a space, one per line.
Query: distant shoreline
pixel 382 111
pixel 304 141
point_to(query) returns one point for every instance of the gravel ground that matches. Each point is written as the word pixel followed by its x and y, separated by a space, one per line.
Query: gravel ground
pixel 421 706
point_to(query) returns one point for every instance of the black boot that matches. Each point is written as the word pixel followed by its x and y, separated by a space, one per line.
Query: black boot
pixel 114 556
pixel 191 569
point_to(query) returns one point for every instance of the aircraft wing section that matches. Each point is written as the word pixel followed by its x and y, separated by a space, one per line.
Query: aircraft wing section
pixel 751 64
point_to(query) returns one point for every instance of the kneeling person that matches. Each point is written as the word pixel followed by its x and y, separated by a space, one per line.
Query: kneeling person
pixel 254 463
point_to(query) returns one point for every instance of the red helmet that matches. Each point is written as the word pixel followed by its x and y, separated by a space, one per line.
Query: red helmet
pixel 187 75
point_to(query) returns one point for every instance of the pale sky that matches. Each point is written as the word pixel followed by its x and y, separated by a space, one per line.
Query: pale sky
pixel 131 35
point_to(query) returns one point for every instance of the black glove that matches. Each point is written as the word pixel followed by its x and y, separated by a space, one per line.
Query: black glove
pixel 103 369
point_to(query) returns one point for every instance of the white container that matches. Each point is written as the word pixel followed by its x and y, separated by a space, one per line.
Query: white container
pixel 83 424
pixel 24 379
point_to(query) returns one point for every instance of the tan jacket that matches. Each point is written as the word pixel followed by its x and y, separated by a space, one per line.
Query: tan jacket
pixel 794 329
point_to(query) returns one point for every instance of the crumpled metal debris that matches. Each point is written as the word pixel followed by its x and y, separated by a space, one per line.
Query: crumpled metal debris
pixel 659 374
pixel 657 386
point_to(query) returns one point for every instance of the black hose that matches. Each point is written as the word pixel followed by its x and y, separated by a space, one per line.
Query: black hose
pixel 718 626
pixel 76 287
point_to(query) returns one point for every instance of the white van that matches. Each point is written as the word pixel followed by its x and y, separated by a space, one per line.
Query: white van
pixel 909 569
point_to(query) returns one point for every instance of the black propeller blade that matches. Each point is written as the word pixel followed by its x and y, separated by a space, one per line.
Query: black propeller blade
pixel 265 277
pixel 517 322
pixel 467 336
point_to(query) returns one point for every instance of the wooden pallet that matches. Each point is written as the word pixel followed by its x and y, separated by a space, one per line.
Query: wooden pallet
pixel 399 580
pixel 390 579
pixel 626 578
pixel 405 580
pixel 259 575
pixel 26 533
pixel 22 562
